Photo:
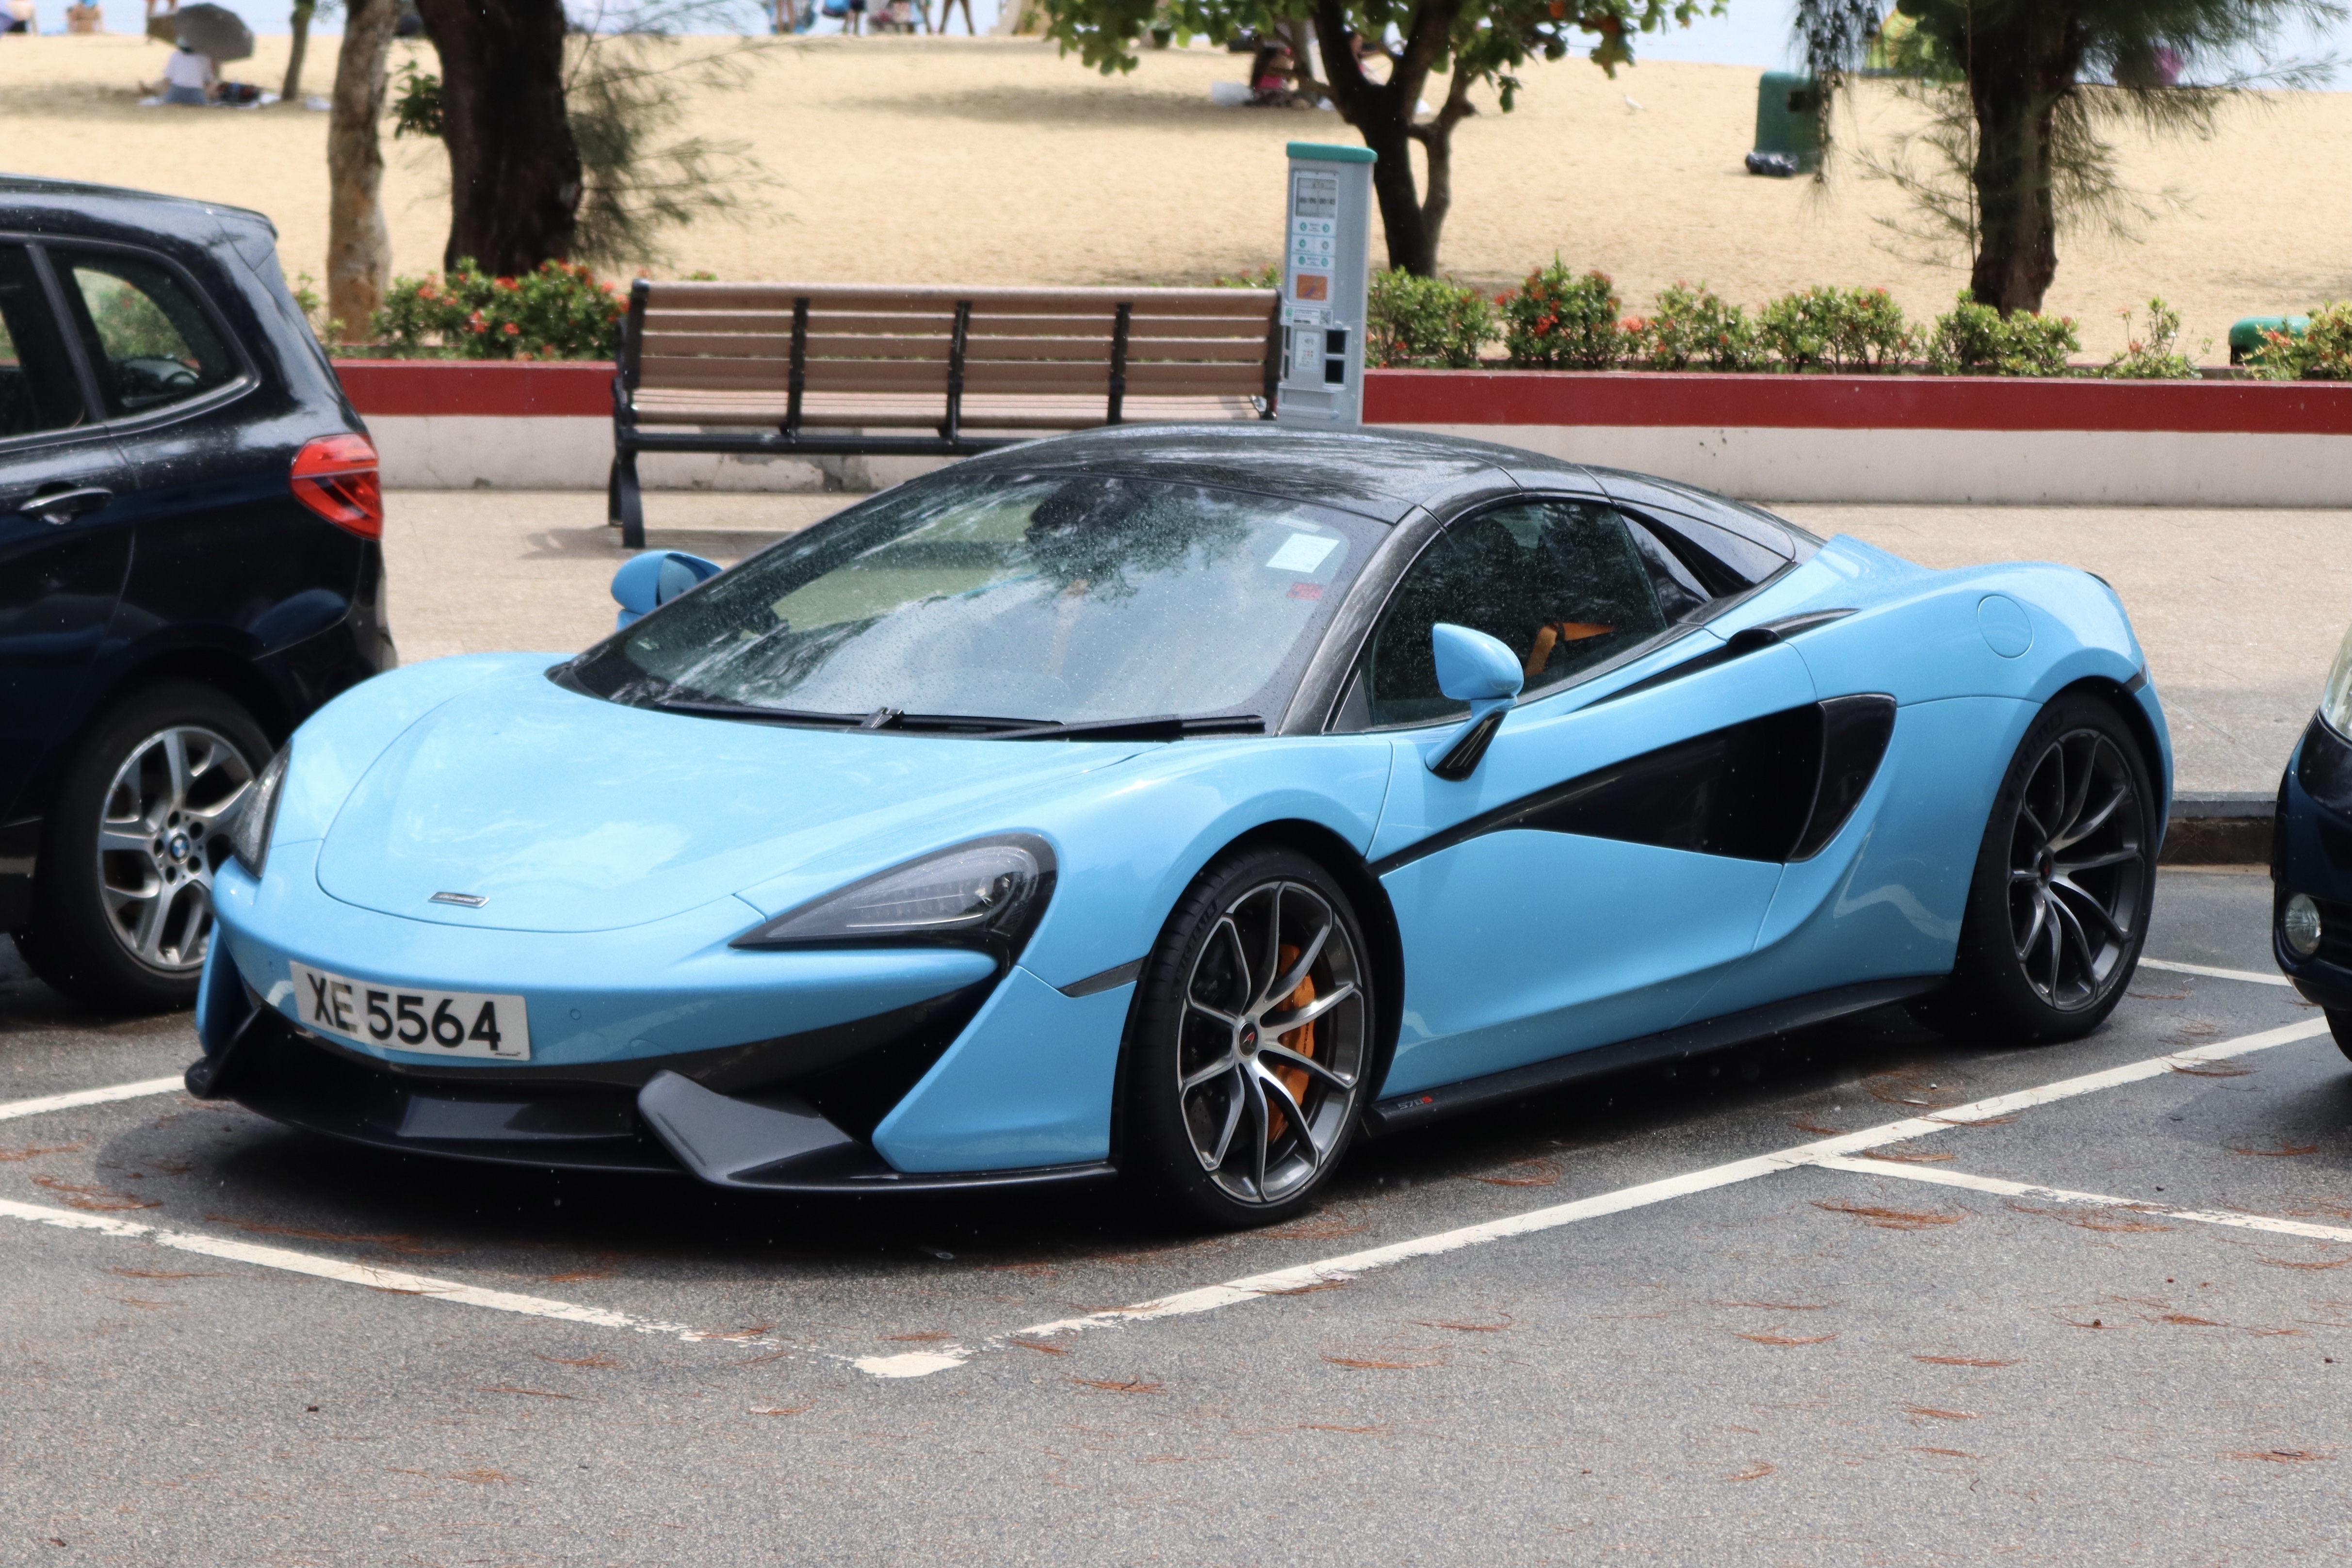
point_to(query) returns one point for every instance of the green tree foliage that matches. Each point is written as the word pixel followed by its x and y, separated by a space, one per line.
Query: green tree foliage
pixel 1558 320
pixel 558 312
pixel 2153 354
pixel 2042 79
pixel 1425 321
pixel 1979 341
pixel 2322 353
pixel 1694 329
pixel 1472 42
pixel 1837 330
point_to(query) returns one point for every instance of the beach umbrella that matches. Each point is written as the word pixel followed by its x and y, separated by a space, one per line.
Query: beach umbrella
pixel 214 30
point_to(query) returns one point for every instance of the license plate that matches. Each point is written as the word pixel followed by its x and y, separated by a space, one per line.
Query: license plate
pixel 428 1022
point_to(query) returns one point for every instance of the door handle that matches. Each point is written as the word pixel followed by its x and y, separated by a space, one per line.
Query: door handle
pixel 60 507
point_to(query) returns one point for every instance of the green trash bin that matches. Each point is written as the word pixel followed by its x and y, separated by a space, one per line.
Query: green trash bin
pixel 1788 128
pixel 2246 336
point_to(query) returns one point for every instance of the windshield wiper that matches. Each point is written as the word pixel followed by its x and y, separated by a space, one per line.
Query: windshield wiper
pixel 1167 726
pixel 881 719
pixel 759 714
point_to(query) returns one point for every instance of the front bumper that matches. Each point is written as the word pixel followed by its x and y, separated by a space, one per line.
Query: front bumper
pixel 655 1115
pixel 2311 853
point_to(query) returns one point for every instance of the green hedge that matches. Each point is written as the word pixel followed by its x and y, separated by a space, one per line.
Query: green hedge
pixel 1563 320
pixel 558 312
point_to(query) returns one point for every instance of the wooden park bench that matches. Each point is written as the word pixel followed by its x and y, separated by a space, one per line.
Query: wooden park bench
pixel 798 369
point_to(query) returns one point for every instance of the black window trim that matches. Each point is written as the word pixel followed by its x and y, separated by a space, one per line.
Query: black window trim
pixel 1715 609
pixel 246 379
pixel 93 425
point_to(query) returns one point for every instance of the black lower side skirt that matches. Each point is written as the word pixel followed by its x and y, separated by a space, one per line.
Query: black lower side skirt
pixel 1404 1111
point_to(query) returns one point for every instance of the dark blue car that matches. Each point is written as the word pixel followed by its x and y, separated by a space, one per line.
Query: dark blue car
pixel 2311 857
pixel 189 566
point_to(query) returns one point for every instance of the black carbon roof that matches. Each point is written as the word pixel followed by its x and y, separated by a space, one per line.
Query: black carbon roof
pixel 1383 474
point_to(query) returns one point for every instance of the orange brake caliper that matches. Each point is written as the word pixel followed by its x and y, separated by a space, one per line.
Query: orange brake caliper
pixel 1300 1039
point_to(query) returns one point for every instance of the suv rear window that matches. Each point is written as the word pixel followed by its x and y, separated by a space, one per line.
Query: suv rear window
pixel 153 345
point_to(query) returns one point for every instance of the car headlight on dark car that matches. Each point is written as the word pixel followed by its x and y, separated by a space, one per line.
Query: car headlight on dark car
pixel 249 837
pixel 2336 702
pixel 2300 923
pixel 988 894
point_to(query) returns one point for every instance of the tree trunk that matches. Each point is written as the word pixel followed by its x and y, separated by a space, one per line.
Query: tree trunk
pixel 2018 70
pixel 359 248
pixel 1383 113
pixel 293 90
pixel 514 171
pixel 1436 139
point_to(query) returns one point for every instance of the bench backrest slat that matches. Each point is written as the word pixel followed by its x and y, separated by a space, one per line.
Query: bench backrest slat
pixel 726 341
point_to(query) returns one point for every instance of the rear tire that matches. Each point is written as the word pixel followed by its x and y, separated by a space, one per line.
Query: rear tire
pixel 2058 906
pixel 122 901
pixel 1251 1046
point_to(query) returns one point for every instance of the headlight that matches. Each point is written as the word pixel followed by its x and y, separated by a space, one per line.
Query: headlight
pixel 2299 923
pixel 988 895
pixel 249 837
pixel 2336 704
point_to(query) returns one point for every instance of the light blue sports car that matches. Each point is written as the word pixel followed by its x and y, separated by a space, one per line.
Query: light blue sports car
pixel 1176 805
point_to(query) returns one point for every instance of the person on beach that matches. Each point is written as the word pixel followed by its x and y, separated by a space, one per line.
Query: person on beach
pixel 188 78
pixel 1270 77
pixel 947 14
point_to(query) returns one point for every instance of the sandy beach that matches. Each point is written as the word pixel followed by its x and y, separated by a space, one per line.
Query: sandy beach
pixel 993 161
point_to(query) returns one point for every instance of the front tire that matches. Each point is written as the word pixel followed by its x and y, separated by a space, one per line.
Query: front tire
pixel 2339 1024
pixel 2058 907
pixel 122 913
pixel 1251 1046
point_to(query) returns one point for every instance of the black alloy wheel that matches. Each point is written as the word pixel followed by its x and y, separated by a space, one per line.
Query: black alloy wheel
pixel 2058 907
pixel 1251 1044
pixel 123 912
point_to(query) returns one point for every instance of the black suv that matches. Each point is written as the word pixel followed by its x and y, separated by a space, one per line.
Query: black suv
pixel 189 565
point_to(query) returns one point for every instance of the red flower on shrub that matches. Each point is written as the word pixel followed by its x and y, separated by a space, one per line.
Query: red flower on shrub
pixel 511 330
pixel 509 283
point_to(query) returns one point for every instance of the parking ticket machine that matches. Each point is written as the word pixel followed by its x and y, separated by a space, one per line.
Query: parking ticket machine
pixel 1324 255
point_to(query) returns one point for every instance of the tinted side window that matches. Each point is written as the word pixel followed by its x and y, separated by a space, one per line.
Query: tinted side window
pixel 1732 561
pixel 1562 584
pixel 152 344
pixel 38 390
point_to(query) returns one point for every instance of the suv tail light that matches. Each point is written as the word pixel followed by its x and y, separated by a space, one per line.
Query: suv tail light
pixel 335 476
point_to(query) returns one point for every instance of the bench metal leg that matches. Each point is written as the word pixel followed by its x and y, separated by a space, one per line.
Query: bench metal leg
pixel 625 506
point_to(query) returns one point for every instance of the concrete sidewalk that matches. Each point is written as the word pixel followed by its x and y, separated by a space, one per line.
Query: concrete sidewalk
pixel 2240 610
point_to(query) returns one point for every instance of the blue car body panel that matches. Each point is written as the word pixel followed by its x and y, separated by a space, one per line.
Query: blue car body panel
pixel 1028 1083
pixel 620 851
pixel 669 986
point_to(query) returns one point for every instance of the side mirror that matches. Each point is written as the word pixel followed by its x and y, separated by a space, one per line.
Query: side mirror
pixel 1481 671
pixel 648 582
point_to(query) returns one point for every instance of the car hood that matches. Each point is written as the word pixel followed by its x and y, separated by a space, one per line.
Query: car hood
pixel 563 812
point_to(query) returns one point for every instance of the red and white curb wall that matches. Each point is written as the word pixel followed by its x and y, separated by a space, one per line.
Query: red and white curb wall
pixel 444 425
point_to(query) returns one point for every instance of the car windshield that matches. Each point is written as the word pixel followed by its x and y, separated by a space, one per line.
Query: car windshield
pixel 1031 598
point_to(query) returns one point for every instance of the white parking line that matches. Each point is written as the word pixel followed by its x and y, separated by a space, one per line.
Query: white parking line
pixel 11 1110
pixel 2062 1194
pixel 1305 1275
pixel 349 1273
pixel 1830 1150
pixel 2250 975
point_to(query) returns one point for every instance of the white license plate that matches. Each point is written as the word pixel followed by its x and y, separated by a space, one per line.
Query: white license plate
pixel 431 1023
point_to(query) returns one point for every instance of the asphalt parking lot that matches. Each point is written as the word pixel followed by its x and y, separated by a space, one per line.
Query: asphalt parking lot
pixel 1675 1317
